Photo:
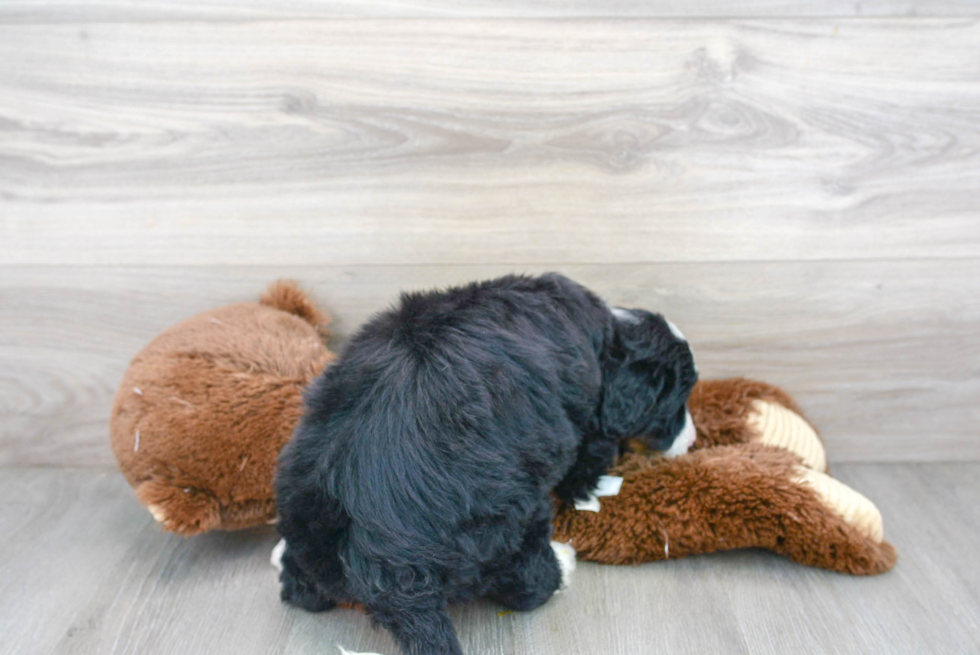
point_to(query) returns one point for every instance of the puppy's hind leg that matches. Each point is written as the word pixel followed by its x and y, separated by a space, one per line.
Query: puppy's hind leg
pixel 297 587
pixel 541 569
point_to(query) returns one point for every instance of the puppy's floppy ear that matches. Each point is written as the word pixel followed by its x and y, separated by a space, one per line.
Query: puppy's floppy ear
pixel 631 392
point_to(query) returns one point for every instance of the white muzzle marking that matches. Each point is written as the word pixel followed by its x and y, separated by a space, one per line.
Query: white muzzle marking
pixel 684 440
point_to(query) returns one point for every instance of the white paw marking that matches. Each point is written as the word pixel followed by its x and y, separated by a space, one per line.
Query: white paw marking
pixel 344 651
pixel 676 331
pixel 590 505
pixel 565 555
pixel 608 485
pixel 684 440
pixel 276 558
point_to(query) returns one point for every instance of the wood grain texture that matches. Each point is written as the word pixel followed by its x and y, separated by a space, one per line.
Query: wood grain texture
pixel 355 142
pixel 799 194
pixel 55 11
pixel 884 356
pixel 84 570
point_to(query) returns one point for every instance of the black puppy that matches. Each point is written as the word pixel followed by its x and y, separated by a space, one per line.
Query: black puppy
pixel 422 471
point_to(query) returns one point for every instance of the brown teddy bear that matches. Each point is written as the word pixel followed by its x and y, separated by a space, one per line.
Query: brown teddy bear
pixel 203 410
pixel 754 479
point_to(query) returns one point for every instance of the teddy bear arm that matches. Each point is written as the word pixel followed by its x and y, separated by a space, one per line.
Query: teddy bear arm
pixel 724 498
pixel 739 410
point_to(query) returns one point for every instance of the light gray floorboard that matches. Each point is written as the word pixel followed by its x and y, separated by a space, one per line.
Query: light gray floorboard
pixel 53 11
pixel 796 187
pixel 884 356
pixel 84 570
pixel 800 194
pixel 353 142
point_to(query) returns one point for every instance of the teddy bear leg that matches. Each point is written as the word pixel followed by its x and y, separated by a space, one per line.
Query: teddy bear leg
pixel 739 410
pixel 184 510
pixel 541 569
pixel 851 506
pixel 776 425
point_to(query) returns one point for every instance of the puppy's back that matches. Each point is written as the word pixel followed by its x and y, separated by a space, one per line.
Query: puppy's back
pixel 446 413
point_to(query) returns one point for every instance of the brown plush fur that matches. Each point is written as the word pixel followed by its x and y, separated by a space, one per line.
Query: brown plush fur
pixel 720 409
pixel 210 402
pixel 728 494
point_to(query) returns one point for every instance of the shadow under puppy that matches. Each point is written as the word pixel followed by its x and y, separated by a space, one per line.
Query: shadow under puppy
pixel 422 471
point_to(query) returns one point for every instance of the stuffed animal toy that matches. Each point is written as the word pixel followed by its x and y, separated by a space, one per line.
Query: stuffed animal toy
pixel 203 410
pixel 756 478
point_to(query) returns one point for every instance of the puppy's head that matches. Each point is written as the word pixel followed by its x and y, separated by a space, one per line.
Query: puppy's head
pixel 646 382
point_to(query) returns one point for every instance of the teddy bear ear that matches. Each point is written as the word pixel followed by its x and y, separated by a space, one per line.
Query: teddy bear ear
pixel 287 296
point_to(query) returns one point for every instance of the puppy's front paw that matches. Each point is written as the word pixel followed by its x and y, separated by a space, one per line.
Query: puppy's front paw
pixel 608 485
pixel 590 505
pixel 565 555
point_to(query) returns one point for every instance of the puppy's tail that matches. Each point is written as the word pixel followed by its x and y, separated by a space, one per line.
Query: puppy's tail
pixel 421 631
pixel 287 296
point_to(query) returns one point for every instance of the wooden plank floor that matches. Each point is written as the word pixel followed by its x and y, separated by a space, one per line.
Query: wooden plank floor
pixel 847 341
pixel 793 182
pixel 798 193
pixel 80 11
pixel 84 570
pixel 379 142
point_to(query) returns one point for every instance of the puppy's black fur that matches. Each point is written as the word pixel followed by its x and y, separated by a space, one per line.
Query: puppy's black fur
pixel 421 473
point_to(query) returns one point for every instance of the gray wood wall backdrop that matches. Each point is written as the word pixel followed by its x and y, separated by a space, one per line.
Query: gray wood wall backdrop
pixel 796 184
